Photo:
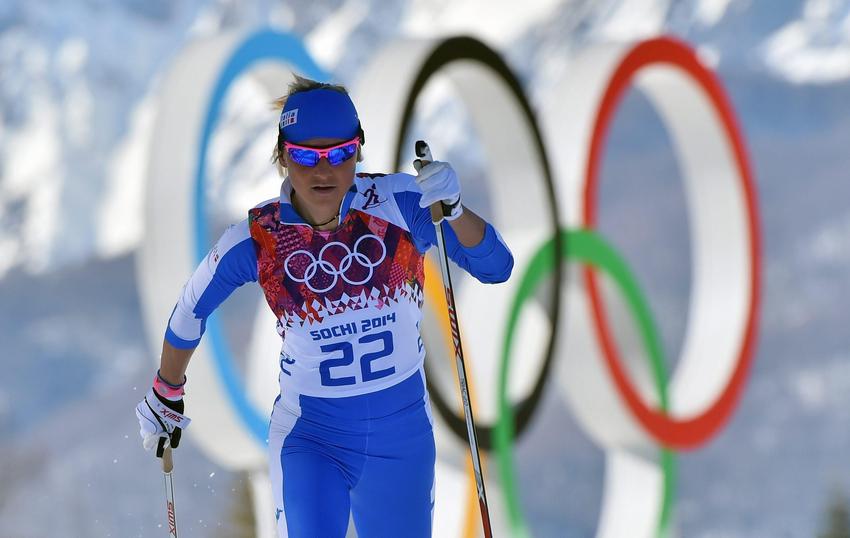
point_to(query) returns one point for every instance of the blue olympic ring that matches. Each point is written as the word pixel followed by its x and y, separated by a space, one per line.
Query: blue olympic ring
pixel 264 45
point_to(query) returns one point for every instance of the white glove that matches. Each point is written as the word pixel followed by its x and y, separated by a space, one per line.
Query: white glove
pixel 438 183
pixel 161 421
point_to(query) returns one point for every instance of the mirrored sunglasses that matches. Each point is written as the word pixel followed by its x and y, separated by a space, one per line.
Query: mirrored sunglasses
pixel 336 155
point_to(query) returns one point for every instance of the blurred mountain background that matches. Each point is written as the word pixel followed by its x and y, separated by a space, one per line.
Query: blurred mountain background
pixel 78 92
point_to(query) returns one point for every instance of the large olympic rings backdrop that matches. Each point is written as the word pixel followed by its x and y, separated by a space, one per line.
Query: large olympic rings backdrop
pixel 567 332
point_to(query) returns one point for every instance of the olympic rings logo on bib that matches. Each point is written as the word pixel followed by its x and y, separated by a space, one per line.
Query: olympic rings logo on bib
pixel 316 267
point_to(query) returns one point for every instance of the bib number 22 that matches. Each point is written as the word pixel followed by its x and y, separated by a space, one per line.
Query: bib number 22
pixel 345 357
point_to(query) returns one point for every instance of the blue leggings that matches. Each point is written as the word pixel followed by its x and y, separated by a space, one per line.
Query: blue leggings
pixel 370 455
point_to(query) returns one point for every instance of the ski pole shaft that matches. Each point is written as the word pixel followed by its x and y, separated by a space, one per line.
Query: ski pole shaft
pixel 423 153
pixel 167 468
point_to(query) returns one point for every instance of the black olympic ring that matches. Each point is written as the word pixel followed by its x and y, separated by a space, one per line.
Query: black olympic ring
pixel 466 49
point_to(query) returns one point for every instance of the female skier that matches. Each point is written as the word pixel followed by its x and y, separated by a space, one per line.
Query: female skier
pixel 340 258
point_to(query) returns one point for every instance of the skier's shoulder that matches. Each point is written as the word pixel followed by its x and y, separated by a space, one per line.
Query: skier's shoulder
pixel 266 211
pixel 265 206
pixel 233 235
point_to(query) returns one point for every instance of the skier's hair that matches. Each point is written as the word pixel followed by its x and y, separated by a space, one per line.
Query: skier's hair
pixel 299 84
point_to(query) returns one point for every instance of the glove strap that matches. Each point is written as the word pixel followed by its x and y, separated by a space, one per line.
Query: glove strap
pixel 452 211
pixel 166 414
pixel 166 389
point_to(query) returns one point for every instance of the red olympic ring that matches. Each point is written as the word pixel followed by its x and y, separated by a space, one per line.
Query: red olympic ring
pixel 672 432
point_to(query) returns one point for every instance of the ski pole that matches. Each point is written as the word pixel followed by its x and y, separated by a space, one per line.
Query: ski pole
pixel 424 157
pixel 167 468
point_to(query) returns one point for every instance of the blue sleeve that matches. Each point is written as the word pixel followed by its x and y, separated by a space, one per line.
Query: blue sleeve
pixel 231 263
pixel 489 261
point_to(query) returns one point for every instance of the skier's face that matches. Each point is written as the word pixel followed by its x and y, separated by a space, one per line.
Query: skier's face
pixel 320 188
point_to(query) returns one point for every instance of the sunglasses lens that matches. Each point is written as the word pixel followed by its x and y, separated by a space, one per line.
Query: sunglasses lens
pixel 304 157
pixel 338 156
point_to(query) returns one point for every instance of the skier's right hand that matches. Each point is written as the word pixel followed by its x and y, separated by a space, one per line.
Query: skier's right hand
pixel 439 183
pixel 160 414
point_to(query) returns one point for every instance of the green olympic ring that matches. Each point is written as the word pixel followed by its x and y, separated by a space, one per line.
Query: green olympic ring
pixel 590 248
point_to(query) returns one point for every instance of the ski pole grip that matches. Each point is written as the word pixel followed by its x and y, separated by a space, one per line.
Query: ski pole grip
pixel 423 154
pixel 167 460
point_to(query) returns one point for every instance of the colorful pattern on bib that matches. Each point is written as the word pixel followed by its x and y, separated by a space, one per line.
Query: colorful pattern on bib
pixel 308 275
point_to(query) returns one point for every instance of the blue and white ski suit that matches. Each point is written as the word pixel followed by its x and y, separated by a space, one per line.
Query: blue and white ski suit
pixel 351 430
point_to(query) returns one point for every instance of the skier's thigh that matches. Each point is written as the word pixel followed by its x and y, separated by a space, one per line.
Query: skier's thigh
pixel 315 496
pixel 394 496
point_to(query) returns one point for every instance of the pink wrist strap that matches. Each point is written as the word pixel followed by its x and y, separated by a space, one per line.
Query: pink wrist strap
pixel 166 389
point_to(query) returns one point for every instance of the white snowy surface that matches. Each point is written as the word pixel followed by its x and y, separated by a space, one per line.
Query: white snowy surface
pixel 815 49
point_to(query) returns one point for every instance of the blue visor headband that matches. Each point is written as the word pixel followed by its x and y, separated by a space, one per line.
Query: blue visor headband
pixel 319 113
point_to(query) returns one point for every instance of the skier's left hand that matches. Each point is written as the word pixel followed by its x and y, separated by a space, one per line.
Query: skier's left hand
pixel 161 418
pixel 438 183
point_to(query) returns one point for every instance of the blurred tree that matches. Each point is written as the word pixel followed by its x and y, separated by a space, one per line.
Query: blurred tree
pixel 837 523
